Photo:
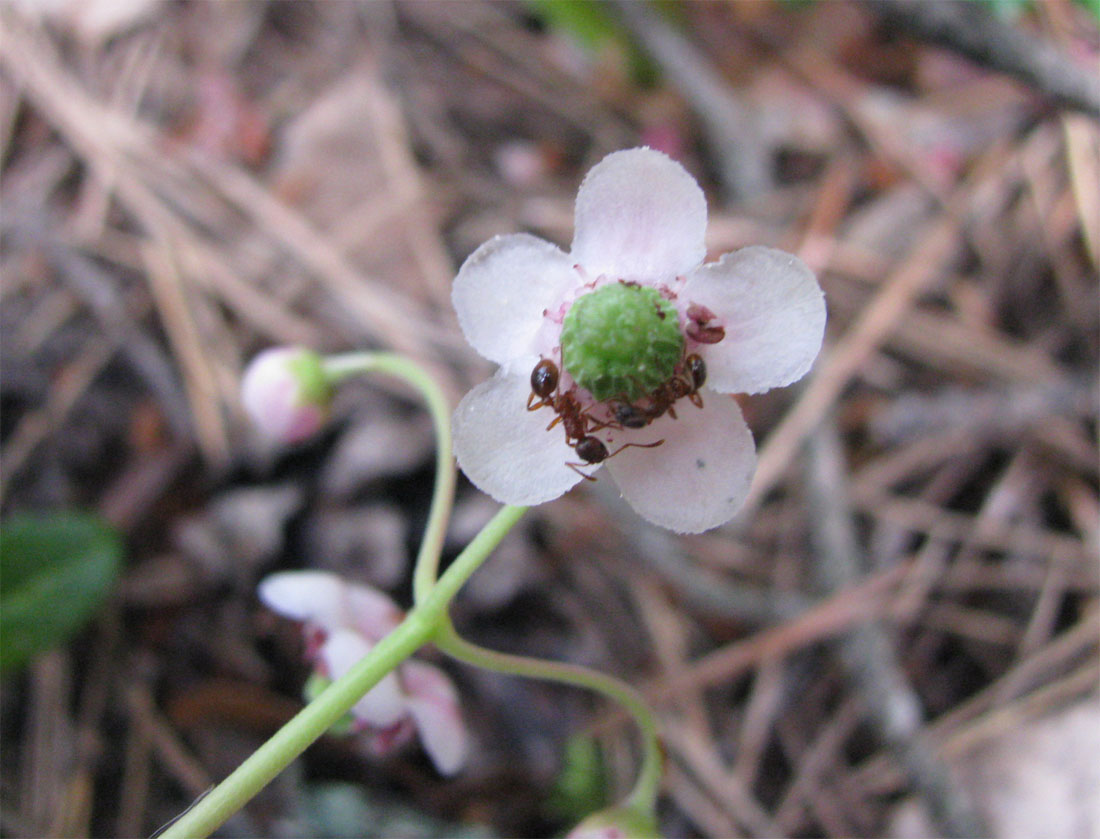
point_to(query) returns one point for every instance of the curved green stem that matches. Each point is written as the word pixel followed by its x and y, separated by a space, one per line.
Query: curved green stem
pixel 644 795
pixel 340 367
pixel 427 620
pixel 211 811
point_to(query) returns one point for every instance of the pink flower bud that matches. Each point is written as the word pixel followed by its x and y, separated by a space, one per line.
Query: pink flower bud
pixel 286 393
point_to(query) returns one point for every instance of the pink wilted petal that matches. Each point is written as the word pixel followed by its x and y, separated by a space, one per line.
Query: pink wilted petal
pixel 502 290
pixel 639 216
pixel 384 704
pixel 432 701
pixel 383 741
pixel 506 450
pixel 773 313
pixel 699 476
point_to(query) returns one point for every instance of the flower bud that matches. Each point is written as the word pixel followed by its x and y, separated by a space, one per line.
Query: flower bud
pixel 286 393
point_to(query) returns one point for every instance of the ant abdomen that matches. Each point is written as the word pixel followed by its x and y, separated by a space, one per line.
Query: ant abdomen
pixel 591 449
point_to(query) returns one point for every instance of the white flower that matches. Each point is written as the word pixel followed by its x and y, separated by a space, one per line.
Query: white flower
pixel 285 392
pixel 342 621
pixel 755 317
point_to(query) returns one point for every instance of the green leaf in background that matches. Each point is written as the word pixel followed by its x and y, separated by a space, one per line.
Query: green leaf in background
pixel 334 810
pixel 594 26
pixel 56 569
pixel 581 786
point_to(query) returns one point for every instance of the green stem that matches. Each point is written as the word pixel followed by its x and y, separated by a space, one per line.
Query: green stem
pixel 211 811
pixel 425 621
pixel 339 367
pixel 644 795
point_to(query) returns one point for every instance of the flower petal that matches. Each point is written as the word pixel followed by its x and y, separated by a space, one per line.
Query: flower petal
pixel 503 289
pixel 329 602
pixel 371 612
pixel 773 312
pixel 699 477
pixel 433 702
pixel 384 704
pixel 314 596
pixel 639 216
pixel 506 450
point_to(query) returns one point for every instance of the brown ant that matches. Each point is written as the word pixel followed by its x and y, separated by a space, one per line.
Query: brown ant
pixel 690 375
pixel 577 421
pixel 592 450
pixel 544 381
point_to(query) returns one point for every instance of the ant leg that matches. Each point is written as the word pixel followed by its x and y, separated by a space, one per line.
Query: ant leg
pixel 576 468
pixel 635 445
pixel 554 422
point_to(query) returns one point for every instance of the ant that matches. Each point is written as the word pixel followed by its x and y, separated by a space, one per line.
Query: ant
pixel 690 375
pixel 592 450
pixel 577 421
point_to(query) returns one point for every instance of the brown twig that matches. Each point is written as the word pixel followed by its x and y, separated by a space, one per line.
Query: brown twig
pixel 866 652
pixel 971 30
pixel 742 159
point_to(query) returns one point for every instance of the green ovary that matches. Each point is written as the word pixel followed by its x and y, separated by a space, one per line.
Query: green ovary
pixel 621 341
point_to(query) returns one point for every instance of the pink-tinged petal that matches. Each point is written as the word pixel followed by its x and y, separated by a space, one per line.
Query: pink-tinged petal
pixel 503 289
pixel 506 450
pixel 330 602
pixel 384 704
pixel 382 741
pixel 314 596
pixel 773 313
pixel 699 477
pixel 433 703
pixel 639 216
pixel 371 612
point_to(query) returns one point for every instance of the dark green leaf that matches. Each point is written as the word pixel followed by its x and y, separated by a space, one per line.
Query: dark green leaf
pixel 55 571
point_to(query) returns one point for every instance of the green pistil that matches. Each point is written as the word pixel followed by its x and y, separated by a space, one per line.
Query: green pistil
pixel 621 340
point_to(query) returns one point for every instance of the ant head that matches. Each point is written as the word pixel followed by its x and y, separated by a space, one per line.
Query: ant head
pixel 544 378
pixel 696 369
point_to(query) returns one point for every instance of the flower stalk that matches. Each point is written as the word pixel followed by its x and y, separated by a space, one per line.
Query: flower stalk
pixel 341 367
pixel 643 796
pixel 420 626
